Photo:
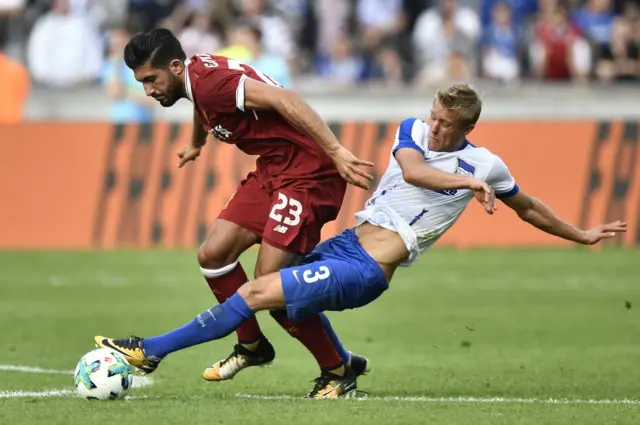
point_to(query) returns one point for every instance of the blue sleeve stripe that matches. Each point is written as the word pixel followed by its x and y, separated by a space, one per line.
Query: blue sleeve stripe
pixel 405 139
pixel 508 194
pixel 406 129
pixel 411 145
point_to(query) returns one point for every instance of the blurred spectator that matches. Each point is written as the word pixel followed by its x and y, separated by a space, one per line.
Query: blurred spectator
pixel 444 39
pixel 558 51
pixel 236 47
pixel 198 36
pixel 500 46
pixel 129 101
pixel 14 86
pixel 595 22
pixel 199 6
pixel 9 9
pixel 342 66
pixel 10 23
pixel 332 18
pixel 292 10
pixel 411 11
pixel 147 14
pixel 388 68
pixel 625 46
pixel 64 49
pixel 387 42
pixel 109 13
pixel 378 19
pixel 295 14
pixel 271 64
pixel 521 11
pixel 276 34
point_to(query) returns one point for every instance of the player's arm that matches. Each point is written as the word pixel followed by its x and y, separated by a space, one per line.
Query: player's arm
pixel 418 173
pixel 410 155
pixel 198 140
pixel 261 96
pixel 199 134
pixel 536 213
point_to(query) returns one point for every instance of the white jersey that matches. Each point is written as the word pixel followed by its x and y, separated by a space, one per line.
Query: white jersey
pixel 421 216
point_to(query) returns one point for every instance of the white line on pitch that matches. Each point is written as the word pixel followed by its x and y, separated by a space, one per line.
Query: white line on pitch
pixel 138 382
pixel 462 399
pixel 29 369
pixel 45 393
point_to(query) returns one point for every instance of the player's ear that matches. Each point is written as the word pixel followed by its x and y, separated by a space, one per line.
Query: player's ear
pixel 176 66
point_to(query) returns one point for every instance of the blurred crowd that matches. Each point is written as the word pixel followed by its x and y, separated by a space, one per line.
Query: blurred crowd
pixel 416 43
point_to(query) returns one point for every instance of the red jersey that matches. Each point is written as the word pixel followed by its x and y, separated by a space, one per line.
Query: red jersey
pixel 557 42
pixel 215 85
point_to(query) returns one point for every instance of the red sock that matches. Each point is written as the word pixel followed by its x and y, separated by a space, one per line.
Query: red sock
pixel 311 334
pixel 226 285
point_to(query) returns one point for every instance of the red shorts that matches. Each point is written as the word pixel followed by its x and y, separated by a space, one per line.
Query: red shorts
pixel 290 217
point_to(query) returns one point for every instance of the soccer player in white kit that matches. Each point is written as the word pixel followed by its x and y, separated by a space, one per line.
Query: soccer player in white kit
pixel 433 174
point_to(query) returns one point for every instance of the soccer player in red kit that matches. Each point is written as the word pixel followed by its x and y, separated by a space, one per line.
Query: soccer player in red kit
pixel 298 185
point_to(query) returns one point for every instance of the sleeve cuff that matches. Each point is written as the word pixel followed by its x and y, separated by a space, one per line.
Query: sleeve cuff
pixel 240 93
pixel 510 193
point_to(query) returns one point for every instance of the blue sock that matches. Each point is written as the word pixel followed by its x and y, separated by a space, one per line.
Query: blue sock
pixel 334 337
pixel 215 323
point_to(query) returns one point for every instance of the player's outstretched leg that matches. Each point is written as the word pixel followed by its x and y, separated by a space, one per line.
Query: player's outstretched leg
pixel 252 349
pixel 312 332
pixel 131 349
pixel 265 293
pixel 223 245
pixel 214 323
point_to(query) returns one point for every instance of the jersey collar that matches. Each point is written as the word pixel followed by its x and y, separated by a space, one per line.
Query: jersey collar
pixel 465 144
pixel 187 80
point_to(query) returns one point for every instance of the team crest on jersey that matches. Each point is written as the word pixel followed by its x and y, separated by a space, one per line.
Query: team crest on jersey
pixel 464 169
pixel 221 133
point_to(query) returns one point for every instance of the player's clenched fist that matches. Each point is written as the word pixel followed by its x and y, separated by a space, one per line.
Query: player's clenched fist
pixel 188 153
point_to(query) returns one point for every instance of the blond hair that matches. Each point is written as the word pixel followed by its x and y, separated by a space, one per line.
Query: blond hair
pixel 463 99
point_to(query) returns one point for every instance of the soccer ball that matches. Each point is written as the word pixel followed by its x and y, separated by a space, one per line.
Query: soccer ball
pixel 103 374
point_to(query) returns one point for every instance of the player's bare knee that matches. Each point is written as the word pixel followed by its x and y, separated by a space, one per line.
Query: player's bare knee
pixel 215 256
pixel 224 244
pixel 262 294
pixel 253 293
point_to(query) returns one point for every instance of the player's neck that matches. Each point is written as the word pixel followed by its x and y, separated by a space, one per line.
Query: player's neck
pixel 184 81
pixel 459 145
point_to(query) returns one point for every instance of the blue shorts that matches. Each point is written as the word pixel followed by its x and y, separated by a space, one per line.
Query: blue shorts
pixel 337 275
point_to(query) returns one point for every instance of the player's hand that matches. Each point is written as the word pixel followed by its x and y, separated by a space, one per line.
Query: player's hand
pixel 485 195
pixel 188 153
pixel 603 231
pixel 348 166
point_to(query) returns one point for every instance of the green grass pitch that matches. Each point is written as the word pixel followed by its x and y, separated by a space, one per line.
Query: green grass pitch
pixel 465 337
